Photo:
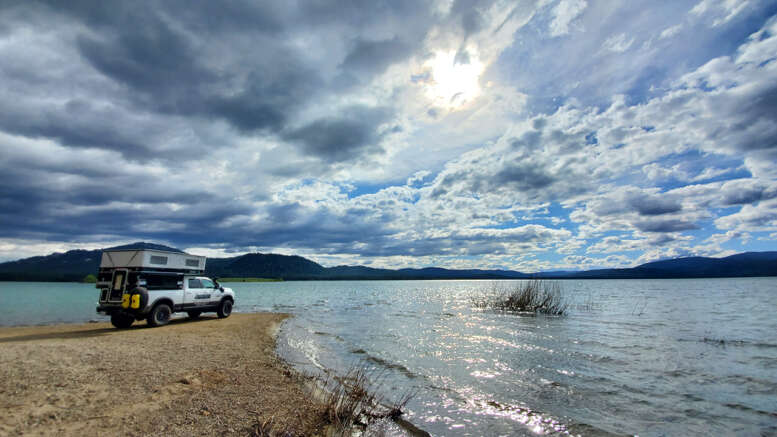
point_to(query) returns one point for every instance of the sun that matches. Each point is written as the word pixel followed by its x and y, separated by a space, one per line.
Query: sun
pixel 453 82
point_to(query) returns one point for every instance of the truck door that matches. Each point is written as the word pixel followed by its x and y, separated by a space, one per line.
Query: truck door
pixel 195 294
pixel 118 283
pixel 210 287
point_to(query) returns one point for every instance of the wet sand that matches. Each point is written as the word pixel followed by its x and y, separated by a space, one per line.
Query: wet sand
pixel 205 377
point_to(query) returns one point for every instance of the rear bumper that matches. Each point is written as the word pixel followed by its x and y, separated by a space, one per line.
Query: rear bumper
pixel 109 309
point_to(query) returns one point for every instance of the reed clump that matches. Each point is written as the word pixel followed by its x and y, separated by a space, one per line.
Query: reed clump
pixel 537 296
pixel 354 401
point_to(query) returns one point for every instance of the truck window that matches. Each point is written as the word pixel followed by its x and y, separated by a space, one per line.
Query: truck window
pixel 156 259
pixel 118 280
pixel 195 283
pixel 207 283
pixel 162 282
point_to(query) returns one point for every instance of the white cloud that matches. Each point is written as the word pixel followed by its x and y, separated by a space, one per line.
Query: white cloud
pixel 761 217
pixel 565 12
pixel 670 31
pixel 722 11
pixel 618 43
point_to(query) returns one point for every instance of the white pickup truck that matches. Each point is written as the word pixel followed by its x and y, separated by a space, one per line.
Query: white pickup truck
pixel 153 284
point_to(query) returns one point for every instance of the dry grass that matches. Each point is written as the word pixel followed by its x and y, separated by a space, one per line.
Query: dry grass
pixel 536 296
pixel 269 428
pixel 350 400
pixel 354 401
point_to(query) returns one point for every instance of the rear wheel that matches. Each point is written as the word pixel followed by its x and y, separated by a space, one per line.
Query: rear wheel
pixel 121 320
pixel 225 309
pixel 194 314
pixel 160 315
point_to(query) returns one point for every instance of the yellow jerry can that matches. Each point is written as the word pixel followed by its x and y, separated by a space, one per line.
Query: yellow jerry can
pixel 135 301
pixel 125 301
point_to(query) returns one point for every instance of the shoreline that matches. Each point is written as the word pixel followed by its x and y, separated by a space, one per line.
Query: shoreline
pixel 191 377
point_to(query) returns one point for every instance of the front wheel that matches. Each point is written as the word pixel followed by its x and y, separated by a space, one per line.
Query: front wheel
pixel 160 315
pixel 225 309
pixel 121 320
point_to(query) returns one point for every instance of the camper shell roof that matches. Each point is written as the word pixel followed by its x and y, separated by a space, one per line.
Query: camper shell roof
pixel 150 259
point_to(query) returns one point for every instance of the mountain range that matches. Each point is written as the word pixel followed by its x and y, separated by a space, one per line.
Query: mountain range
pixel 74 265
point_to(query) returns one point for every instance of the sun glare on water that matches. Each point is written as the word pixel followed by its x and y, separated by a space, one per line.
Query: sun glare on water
pixel 453 84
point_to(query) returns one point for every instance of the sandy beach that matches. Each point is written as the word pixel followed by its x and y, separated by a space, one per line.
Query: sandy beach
pixel 205 377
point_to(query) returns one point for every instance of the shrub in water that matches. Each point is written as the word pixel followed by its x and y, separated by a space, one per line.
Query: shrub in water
pixel 532 296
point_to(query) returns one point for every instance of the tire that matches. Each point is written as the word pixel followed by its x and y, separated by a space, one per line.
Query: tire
pixel 225 309
pixel 160 315
pixel 194 314
pixel 121 320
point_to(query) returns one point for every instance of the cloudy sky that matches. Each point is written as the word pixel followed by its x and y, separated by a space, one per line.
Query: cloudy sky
pixel 528 135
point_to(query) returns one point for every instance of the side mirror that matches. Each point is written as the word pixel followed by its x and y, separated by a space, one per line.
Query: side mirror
pixel 221 288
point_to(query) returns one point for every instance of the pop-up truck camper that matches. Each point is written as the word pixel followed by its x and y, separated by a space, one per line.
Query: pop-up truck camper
pixel 137 284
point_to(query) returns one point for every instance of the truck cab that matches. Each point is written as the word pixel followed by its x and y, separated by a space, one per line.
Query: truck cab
pixel 153 284
pixel 201 292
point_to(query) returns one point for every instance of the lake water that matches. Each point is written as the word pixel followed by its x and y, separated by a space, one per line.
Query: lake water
pixel 646 357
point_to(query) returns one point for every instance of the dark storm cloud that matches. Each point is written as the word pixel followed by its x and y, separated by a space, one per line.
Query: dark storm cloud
pixel 267 95
pixel 669 225
pixel 742 192
pixel 743 196
pixel 171 76
pixel 170 58
pixel 337 139
pixel 653 205
pixel 752 122
pixel 204 60
pixel 662 239
pixel 268 100
pixel 147 55
pixel 294 225
pixel 92 193
pixel 764 106
pixel 37 209
pixel 201 17
pixel 375 56
pixel 232 15
pixel 30 190
pixel 80 124
pixel 523 177
pixel 360 14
